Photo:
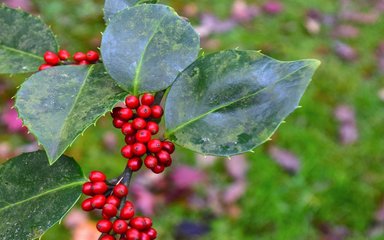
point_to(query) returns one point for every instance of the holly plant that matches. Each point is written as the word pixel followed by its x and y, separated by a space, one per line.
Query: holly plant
pixel 160 89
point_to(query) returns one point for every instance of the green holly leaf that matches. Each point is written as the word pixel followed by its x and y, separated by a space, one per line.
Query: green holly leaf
pixel 59 103
pixel 111 7
pixel 232 101
pixel 145 47
pixel 23 41
pixel 34 196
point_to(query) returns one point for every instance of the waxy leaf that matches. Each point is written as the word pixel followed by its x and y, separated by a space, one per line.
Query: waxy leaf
pixel 34 196
pixel 23 41
pixel 111 7
pixel 229 102
pixel 145 47
pixel 59 103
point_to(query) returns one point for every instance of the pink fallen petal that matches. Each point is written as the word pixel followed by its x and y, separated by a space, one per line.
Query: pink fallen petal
pixel 237 167
pixel 110 141
pixel 23 4
pixel 287 160
pixel 145 201
pixel 348 132
pixel 211 24
pixel 242 12
pixel 234 192
pixel 184 177
pixel 9 118
pixel 346 31
pixel 345 52
pixel 273 7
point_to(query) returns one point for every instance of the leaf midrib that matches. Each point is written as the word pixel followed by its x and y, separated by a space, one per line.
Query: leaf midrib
pixel 167 134
pixel 22 52
pixel 42 194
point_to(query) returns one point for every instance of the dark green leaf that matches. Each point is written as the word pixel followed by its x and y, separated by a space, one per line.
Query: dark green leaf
pixel 34 196
pixel 229 102
pixel 145 47
pixel 59 103
pixel 111 7
pixel 23 41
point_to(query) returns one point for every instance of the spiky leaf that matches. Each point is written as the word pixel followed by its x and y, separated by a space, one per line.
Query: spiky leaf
pixel 34 196
pixel 229 102
pixel 59 103
pixel 145 47
pixel 111 7
pixel 23 41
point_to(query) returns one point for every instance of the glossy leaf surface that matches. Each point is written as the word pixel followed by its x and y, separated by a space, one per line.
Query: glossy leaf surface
pixel 111 7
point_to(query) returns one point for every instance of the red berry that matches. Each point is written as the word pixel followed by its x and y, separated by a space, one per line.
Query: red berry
pixel 127 151
pixel 133 234
pixel 158 169
pixel 118 123
pixel 152 127
pixel 44 66
pixel 138 223
pixel 145 236
pixel 139 149
pixel 139 123
pixel 148 222
pixel 157 111
pixel 115 111
pixel 135 164
pixel 150 161
pixel 98 201
pixel 143 136
pixel 120 190
pixel 125 114
pixel 168 146
pixel 109 210
pixel 104 226
pixel 147 99
pixel 163 157
pixel 107 237
pixel 154 145
pixel 86 205
pixel 97 176
pixel 113 200
pixel 144 111
pixel 51 58
pixel 120 226
pixel 87 189
pixel 127 129
pixel 152 233
pixel 99 188
pixel 84 62
pixel 128 211
pixel 132 102
pixel 64 54
pixel 79 56
pixel 130 139
pixel 92 56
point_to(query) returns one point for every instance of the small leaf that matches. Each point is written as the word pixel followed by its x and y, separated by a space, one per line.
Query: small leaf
pixel 145 47
pixel 23 41
pixel 111 7
pixel 229 102
pixel 59 103
pixel 34 196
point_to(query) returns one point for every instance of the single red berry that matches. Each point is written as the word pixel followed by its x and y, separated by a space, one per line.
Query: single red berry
pixel 163 156
pixel 97 176
pixel 168 146
pixel 44 66
pixel 120 190
pixel 118 123
pixel 145 236
pixel 147 99
pixel 127 151
pixel 132 102
pixel 87 189
pixel 84 62
pixel 158 169
pixel 109 210
pixel 133 234
pixel 135 164
pixel 152 127
pixel 107 237
pixel 92 56
pixel 128 211
pixel 130 139
pixel 98 201
pixel 168 163
pixel 150 161
pixel 154 145
pixel 115 111
pixel 51 58
pixel 113 200
pixel 86 205
pixel 157 111
pixel 148 222
pixel 138 223
pixel 143 136
pixel 99 188
pixel 139 149
pixel 139 123
pixel 64 54
pixel 79 56
pixel 104 226
pixel 152 233
pixel 144 111
pixel 120 226
pixel 125 114
pixel 128 129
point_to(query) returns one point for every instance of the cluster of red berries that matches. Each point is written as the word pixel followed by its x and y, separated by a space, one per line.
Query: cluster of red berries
pixel 137 123
pixel 118 221
pixel 63 56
